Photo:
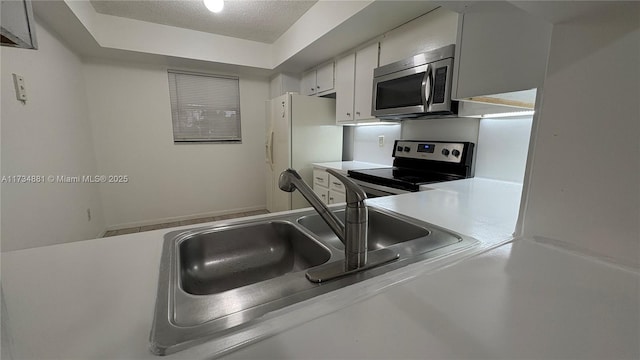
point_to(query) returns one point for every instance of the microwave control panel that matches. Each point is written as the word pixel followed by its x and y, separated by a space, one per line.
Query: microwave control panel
pixel 429 150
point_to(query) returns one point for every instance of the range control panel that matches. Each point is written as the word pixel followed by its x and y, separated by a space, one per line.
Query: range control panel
pixel 429 150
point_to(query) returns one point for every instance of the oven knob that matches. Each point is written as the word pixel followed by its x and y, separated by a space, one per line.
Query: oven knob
pixel 455 153
pixel 399 148
pixel 407 149
pixel 445 152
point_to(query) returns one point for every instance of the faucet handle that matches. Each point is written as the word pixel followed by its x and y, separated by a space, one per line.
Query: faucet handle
pixel 355 194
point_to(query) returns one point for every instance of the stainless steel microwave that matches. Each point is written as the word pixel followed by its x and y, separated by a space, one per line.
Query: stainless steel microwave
pixel 416 87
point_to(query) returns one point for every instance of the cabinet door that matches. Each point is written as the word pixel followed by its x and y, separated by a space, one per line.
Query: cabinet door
pixel 336 197
pixel 366 61
pixel 18 25
pixel 322 193
pixel 345 77
pixel 308 83
pixel 324 78
pixel 500 49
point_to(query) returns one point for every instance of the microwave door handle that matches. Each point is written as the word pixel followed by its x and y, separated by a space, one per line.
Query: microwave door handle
pixel 426 88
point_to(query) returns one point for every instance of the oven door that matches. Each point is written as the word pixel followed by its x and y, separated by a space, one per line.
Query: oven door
pixel 375 190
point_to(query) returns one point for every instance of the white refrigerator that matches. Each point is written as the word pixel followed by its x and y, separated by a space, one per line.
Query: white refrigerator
pixel 301 130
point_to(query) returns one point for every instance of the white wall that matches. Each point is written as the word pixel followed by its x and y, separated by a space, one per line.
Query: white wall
pixel 503 146
pixel 366 147
pixel 283 83
pixel 584 186
pixel 49 135
pixel 132 131
pixel 448 129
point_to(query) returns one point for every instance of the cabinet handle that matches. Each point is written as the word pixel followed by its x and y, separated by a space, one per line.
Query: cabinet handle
pixel 348 114
pixel 357 112
pixel 337 184
pixel 320 179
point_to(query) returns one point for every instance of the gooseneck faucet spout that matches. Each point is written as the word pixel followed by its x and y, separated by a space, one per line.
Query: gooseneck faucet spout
pixel 354 233
pixel 290 180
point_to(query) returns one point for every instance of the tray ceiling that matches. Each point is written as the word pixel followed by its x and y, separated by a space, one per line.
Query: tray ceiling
pixel 262 21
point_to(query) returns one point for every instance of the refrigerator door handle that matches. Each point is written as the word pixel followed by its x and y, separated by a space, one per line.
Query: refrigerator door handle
pixel 269 148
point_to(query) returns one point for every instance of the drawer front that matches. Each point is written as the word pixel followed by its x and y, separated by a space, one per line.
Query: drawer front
pixel 335 184
pixel 320 178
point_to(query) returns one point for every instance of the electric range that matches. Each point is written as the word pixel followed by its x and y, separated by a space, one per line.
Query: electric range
pixel 415 163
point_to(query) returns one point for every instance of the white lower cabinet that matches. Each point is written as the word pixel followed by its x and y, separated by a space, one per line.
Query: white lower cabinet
pixel 328 188
pixel 322 193
pixel 336 197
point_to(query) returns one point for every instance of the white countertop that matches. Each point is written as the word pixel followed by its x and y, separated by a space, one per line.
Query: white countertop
pixel 94 299
pixel 344 166
pixel 481 208
pixel 520 301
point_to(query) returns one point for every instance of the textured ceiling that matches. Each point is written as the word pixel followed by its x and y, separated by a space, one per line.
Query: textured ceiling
pixel 262 21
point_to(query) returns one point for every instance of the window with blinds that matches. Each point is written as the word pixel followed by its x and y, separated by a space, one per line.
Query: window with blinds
pixel 204 108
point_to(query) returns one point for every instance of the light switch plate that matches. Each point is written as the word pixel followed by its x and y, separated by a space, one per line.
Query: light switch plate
pixel 381 140
pixel 21 91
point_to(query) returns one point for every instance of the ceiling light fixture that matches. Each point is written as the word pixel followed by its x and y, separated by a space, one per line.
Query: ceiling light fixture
pixel 214 5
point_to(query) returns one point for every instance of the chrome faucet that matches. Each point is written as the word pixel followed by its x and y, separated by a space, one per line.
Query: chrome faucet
pixel 353 234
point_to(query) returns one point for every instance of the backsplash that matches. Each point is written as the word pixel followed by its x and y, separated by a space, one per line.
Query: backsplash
pixel 366 147
pixel 447 129
pixel 501 144
pixel 365 138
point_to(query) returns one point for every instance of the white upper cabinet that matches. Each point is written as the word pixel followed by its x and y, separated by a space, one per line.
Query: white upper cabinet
pixel 324 78
pixel 345 86
pixel 500 49
pixel 318 81
pixel 354 85
pixel 308 83
pixel 433 30
pixel 366 62
pixel 18 25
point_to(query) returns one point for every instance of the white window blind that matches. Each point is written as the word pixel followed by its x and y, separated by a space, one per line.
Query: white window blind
pixel 204 108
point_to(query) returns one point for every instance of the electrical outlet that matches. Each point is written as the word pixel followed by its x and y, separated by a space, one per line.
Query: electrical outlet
pixel 88 214
pixel 381 140
pixel 21 91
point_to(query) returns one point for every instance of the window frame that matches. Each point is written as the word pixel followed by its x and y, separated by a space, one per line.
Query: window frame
pixel 238 140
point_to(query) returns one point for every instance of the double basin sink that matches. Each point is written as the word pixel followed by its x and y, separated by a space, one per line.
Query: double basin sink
pixel 215 280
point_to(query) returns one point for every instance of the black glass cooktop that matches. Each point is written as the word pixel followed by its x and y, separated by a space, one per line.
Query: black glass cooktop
pixel 401 178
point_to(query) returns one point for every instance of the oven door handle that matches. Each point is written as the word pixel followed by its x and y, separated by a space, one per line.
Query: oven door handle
pixel 379 190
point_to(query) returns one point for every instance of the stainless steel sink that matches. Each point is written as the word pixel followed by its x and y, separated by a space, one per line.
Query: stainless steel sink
pixel 383 230
pixel 222 259
pixel 215 281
